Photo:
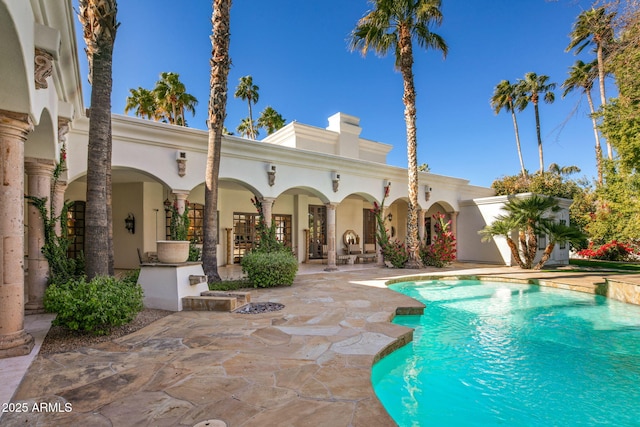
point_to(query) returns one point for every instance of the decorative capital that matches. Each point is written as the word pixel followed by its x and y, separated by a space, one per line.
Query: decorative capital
pixel 63 130
pixel 44 67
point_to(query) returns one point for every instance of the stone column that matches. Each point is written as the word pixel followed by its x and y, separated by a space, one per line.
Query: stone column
pixel 421 214
pixel 14 128
pixel 306 245
pixel 181 200
pixel 229 246
pixel 267 208
pixel 39 172
pixel 58 203
pixel 331 237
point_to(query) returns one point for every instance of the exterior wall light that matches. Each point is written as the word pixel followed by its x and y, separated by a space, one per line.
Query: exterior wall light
pixel 271 174
pixel 390 217
pixel 181 159
pixel 335 178
pixel 130 223
pixel 427 192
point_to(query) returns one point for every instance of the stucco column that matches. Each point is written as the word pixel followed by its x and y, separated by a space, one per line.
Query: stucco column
pixel 267 208
pixel 331 237
pixel 14 128
pixel 39 172
pixel 181 200
pixel 421 214
pixel 58 203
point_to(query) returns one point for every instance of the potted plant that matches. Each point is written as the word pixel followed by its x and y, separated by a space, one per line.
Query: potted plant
pixel 176 250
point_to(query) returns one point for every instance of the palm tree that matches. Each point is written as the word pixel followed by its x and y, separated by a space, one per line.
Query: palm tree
pixel 270 120
pixel 247 91
pixel 220 64
pixel 558 233
pixel 393 26
pixel 529 90
pixel 99 26
pixel 172 99
pixel 503 97
pixel 144 103
pixel 581 75
pixel 247 129
pixel 594 27
pixel 529 217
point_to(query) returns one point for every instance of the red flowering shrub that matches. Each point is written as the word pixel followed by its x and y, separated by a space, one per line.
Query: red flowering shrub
pixel 396 253
pixel 612 251
pixel 443 249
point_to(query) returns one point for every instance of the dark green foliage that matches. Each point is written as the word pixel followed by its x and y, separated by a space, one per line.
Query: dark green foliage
pixel 270 263
pixel 195 253
pixel 61 268
pixel 179 224
pixel 269 269
pixel 94 306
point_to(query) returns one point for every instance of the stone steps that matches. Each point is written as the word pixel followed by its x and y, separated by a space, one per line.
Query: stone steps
pixel 216 301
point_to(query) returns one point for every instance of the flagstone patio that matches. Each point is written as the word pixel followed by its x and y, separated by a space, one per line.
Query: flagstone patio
pixel 308 364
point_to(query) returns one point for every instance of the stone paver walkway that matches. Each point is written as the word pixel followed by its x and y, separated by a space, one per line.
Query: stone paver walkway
pixel 306 365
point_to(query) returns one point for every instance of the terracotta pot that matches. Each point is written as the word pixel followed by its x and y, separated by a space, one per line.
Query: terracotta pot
pixel 172 251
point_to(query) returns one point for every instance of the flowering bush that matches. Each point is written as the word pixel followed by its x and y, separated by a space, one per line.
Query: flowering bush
pixel 612 251
pixel 396 253
pixel 443 249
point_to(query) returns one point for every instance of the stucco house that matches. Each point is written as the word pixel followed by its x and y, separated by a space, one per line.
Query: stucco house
pixel 317 184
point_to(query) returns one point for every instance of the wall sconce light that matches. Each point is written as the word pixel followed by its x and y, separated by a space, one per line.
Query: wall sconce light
pixel 390 217
pixel 167 204
pixel 130 223
pixel 427 192
pixel 181 159
pixel 271 174
pixel 335 178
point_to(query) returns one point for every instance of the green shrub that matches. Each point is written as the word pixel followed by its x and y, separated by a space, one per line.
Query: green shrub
pixel 396 253
pixel 269 269
pixel 94 306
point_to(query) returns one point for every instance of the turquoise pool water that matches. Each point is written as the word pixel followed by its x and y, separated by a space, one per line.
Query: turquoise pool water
pixel 505 354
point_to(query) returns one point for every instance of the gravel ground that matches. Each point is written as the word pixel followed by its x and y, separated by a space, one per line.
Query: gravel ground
pixel 60 340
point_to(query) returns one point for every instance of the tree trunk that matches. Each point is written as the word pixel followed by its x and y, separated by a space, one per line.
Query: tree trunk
pixel 515 127
pixel 97 235
pixel 535 108
pixel 545 256
pixel 603 97
pixel 515 253
pixel 597 136
pixel 220 63
pixel 409 99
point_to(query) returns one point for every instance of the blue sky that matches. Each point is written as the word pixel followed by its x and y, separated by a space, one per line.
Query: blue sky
pixel 297 53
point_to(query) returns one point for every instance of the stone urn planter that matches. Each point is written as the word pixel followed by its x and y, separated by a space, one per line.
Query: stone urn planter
pixel 172 251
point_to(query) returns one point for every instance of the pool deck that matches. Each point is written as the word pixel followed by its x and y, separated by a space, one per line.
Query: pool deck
pixel 306 365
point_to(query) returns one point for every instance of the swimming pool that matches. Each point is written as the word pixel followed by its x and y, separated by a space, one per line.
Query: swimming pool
pixel 507 354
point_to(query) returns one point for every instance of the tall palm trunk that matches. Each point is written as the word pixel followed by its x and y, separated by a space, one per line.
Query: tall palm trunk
pixel 220 63
pixel 597 136
pixel 603 97
pixel 535 108
pixel 409 99
pixel 251 129
pixel 99 30
pixel 515 127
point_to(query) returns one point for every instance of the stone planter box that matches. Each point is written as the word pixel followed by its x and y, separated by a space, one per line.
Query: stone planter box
pixel 172 251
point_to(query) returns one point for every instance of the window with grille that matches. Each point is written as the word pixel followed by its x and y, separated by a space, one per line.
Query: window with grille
pixel 369 226
pixel 75 224
pixel 196 217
